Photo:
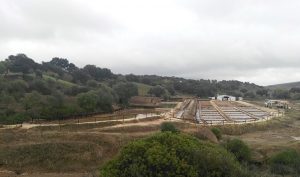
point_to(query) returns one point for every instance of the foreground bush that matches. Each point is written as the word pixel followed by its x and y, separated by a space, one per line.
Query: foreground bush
pixel 171 155
pixel 240 150
pixel 217 132
pixel 168 126
pixel 286 162
pixel 16 118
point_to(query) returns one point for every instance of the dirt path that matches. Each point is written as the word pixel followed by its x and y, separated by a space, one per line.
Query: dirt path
pixel 147 123
pixel 28 125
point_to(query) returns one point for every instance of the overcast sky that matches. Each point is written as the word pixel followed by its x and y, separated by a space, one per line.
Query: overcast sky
pixel 249 40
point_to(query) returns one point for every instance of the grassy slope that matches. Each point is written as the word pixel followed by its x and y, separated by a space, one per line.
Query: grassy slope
pixel 143 88
pixel 62 82
pixel 74 148
pixel 286 86
pixel 55 151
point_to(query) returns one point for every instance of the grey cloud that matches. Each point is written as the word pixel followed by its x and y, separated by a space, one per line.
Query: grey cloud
pixel 249 40
pixel 34 19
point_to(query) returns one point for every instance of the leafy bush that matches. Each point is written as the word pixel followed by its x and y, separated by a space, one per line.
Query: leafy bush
pixel 2 67
pixel 157 91
pixel 92 83
pixel 285 162
pixel 16 118
pixel 98 100
pixel 125 90
pixel 171 155
pixel 168 126
pixel 240 150
pixel 217 132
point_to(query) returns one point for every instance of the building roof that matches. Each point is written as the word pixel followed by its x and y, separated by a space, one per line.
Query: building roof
pixel 225 96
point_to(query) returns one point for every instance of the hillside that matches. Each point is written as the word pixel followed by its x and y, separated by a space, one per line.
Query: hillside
pixel 285 86
pixel 59 89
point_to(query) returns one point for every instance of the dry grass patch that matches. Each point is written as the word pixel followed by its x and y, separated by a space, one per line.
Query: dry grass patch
pixel 68 156
pixel 205 133
pixel 132 129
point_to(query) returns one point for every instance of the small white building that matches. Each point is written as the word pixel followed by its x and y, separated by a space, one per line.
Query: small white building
pixel 226 98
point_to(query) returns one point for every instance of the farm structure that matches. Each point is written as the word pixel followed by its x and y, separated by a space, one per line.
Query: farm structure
pixel 277 103
pixel 214 112
pixel 226 98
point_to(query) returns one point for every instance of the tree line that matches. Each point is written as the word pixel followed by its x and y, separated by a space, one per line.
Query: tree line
pixel 59 88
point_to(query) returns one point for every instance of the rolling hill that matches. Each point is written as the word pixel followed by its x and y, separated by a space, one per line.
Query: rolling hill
pixel 285 86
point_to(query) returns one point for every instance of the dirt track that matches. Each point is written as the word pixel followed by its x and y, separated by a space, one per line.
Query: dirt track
pixel 28 125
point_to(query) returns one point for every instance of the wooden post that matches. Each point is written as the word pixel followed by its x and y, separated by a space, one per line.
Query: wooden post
pixel 78 121
pixel 59 124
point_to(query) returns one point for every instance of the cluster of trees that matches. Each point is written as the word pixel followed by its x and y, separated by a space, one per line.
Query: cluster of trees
pixel 58 67
pixel 57 89
pixel 202 88
pixel 293 93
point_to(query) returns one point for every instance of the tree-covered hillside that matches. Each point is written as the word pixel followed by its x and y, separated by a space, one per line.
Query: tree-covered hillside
pixel 285 91
pixel 285 86
pixel 59 89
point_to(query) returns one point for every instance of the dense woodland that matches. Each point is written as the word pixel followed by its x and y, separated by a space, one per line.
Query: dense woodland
pixel 59 89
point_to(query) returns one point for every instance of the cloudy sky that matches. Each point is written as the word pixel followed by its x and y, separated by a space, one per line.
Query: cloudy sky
pixel 248 40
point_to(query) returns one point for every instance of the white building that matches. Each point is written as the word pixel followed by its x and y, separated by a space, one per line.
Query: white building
pixel 226 98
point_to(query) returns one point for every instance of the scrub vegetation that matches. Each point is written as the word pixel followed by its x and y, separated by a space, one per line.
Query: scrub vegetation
pixel 173 154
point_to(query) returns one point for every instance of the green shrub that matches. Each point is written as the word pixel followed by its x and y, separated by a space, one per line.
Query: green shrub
pixel 172 155
pixel 15 118
pixel 285 162
pixel 240 150
pixel 217 132
pixel 168 126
